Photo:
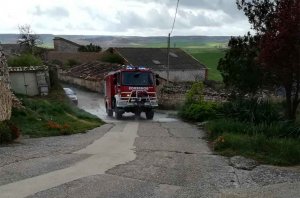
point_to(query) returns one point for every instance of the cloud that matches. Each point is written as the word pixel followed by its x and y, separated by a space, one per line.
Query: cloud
pixel 129 17
pixel 55 12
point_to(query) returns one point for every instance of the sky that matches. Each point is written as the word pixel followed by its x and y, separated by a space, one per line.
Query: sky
pixel 124 17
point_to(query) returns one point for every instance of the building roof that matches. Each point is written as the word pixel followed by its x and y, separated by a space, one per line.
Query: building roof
pixel 67 41
pixel 156 58
pixel 93 70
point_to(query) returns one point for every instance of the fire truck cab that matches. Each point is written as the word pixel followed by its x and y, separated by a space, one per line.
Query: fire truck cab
pixel 131 89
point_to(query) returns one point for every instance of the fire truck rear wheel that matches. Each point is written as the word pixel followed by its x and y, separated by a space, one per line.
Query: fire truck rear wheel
pixel 149 114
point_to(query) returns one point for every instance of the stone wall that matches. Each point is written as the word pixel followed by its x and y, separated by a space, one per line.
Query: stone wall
pixel 5 93
pixel 93 85
pixel 80 57
pixel 5 102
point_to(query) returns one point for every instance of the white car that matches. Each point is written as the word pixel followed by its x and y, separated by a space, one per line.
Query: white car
pixel 71 95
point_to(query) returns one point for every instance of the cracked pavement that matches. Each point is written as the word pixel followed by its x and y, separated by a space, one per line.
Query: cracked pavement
pixel 166 158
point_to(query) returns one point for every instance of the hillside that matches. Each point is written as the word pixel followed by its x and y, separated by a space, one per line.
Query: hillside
pixel 129 41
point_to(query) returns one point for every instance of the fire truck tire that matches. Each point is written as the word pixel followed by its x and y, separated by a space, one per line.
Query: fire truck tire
pixel 118 115
pixel 149 114
pixel 110 112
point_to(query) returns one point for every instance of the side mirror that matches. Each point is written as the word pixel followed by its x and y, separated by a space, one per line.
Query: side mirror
pixel 115 81
pixel 156 76
pixel 157 82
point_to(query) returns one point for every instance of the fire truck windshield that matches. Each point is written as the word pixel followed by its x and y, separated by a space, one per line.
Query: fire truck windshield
pixel 137 78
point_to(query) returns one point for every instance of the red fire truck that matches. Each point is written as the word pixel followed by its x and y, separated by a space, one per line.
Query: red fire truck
pixel 131 89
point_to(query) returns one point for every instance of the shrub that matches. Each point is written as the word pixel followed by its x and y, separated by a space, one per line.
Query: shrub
pixel 24 60
pixel 8 132
pixel 90 48
pixel 251 110
pixel 199 112
pixel 195 94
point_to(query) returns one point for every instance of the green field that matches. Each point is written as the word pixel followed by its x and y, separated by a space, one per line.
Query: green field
pixel 209 57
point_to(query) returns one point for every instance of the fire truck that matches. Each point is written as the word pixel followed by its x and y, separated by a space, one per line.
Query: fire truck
pixel 131 89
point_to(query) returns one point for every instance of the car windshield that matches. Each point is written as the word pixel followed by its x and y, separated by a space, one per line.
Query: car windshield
pixel 137 78
pixel 69 91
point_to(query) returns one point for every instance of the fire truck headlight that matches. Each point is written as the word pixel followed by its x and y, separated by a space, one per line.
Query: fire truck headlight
pixel 128 95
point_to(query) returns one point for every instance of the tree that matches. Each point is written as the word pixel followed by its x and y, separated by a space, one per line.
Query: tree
pixel 239 68
pixel 90 48
pixel 278 23
pixel 28 38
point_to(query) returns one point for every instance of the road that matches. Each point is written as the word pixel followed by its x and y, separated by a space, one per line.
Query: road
pixel 134 157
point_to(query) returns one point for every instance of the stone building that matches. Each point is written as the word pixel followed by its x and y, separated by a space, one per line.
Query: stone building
pixel 182 66
pixel 64 45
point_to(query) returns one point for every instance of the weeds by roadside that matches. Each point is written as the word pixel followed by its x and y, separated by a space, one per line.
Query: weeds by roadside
pixel 52 115
pixel 251 128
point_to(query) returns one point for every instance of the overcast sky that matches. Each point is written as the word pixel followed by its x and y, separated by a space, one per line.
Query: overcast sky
pixel 124 17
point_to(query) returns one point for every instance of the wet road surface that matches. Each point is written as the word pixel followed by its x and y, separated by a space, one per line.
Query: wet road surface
pixel 135 157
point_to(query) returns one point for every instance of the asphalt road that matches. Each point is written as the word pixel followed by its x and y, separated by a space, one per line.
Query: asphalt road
pixel 134 157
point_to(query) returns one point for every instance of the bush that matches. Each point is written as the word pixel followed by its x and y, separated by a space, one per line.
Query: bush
pixel 253 111
pixel 24 60
pixel 8 132
pixel 195 108
pixel 199 112
pixel 90 48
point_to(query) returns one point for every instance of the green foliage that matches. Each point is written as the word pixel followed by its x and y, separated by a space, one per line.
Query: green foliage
pixel 52 115
pixel 210 58
pixel 277 151
pixel 276 129
pixel 24 60
pixel 112 58
pixel 239 68
pixel 199 112
pixel 72 62
pixel 90 48
pixel 8 132
pixel 251 110
pixel 195 108
pixel 195 94
pixel 5 133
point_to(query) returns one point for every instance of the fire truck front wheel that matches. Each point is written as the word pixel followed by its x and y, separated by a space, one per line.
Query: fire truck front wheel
pixel 118 113
pixel 149 114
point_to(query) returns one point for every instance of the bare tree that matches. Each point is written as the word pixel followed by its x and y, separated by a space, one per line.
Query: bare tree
pixel 28 38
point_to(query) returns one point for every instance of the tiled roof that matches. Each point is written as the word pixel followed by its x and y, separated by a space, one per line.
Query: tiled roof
pixel 93 70
pixel 156 58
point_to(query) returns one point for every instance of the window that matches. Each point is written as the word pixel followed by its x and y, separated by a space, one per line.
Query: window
pixel 137 78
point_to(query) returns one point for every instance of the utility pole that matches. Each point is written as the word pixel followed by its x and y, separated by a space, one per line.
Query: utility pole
pixel 168 49
pixel 168 59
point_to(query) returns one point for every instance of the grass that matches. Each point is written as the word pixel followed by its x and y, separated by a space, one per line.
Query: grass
pixel 276 151
pixel 208 53
pixel 51 116
pixel 210 57
pixel 269 144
